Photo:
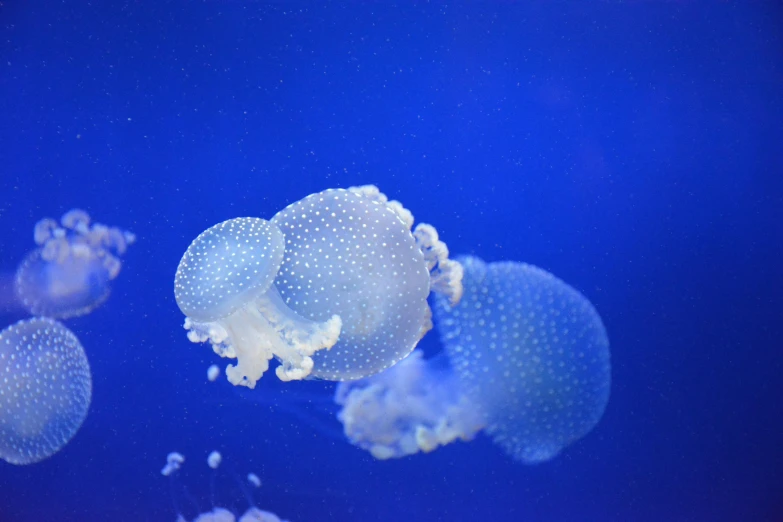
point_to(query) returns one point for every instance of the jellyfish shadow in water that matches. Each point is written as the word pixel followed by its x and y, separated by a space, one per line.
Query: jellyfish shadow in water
pixel 526 359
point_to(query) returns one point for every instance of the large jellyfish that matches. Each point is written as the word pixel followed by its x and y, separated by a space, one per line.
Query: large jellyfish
pixel 529 363
pixel 69 274
pixel 335 286
pixel 45 389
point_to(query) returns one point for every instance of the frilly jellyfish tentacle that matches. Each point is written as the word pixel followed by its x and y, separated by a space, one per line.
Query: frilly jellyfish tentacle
pixel 413 406
pixel 70 273
pixel 224 287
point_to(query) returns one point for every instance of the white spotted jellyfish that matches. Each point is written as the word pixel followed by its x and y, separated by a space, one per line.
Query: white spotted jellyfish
pixel 45 389
pixel 334 286
pixel 529 364
pixel 70 272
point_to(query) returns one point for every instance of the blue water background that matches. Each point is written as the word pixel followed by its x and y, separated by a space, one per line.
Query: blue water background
pixel 631 148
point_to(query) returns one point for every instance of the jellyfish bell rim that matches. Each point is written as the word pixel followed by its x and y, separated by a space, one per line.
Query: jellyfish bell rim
pixel 231 302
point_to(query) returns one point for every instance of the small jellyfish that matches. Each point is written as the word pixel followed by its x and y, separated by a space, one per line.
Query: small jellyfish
pixel 45 389
pixel 531 352
pixel 352 253
pixel 335 287
pixel 69 274
pixel 174 462
pixel 213 372
pixel 254 480
pixel 416 405
pixel 214 459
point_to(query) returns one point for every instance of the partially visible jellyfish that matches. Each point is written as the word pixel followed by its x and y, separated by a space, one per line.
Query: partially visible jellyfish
pixel 335 287
pixel 45 389
pixel 532 352
pixel 528 363
pixel 70 272
pixel 216 515
pixel 174 462
pixel 413 406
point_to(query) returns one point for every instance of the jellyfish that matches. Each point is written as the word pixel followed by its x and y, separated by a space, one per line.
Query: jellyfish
pixel 532 352
pixel 334 286
pixel 70 272
pixel 174 462
pixel 528 363
pixel 45 389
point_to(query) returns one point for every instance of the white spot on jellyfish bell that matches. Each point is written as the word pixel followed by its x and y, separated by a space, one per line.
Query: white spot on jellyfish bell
pixel 45 389
pixel 531 352
pixel 69 274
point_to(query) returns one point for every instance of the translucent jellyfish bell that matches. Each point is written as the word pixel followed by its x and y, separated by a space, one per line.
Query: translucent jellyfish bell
pixel 69 274
pixel 351 253
pixel 532 352
pixel 224 286
pixel 335 286
pixel 45 389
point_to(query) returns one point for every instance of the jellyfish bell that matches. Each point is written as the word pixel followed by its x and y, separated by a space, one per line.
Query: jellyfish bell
pixel 70 272
pixel 351 253
pixel 216 515
pixel 45 389
pixel 224 285
pixel 532 352
pixel 335 287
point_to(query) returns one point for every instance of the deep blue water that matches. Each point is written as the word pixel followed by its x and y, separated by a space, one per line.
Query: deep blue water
pixel 633 149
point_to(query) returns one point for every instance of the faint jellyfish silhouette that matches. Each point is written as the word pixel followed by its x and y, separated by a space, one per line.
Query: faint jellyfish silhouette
pixel 335 286
pixel 528 363
pixel 45 389
pixel 70 273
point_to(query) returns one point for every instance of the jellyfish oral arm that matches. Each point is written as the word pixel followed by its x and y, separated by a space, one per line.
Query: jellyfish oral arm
pixel 263 329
